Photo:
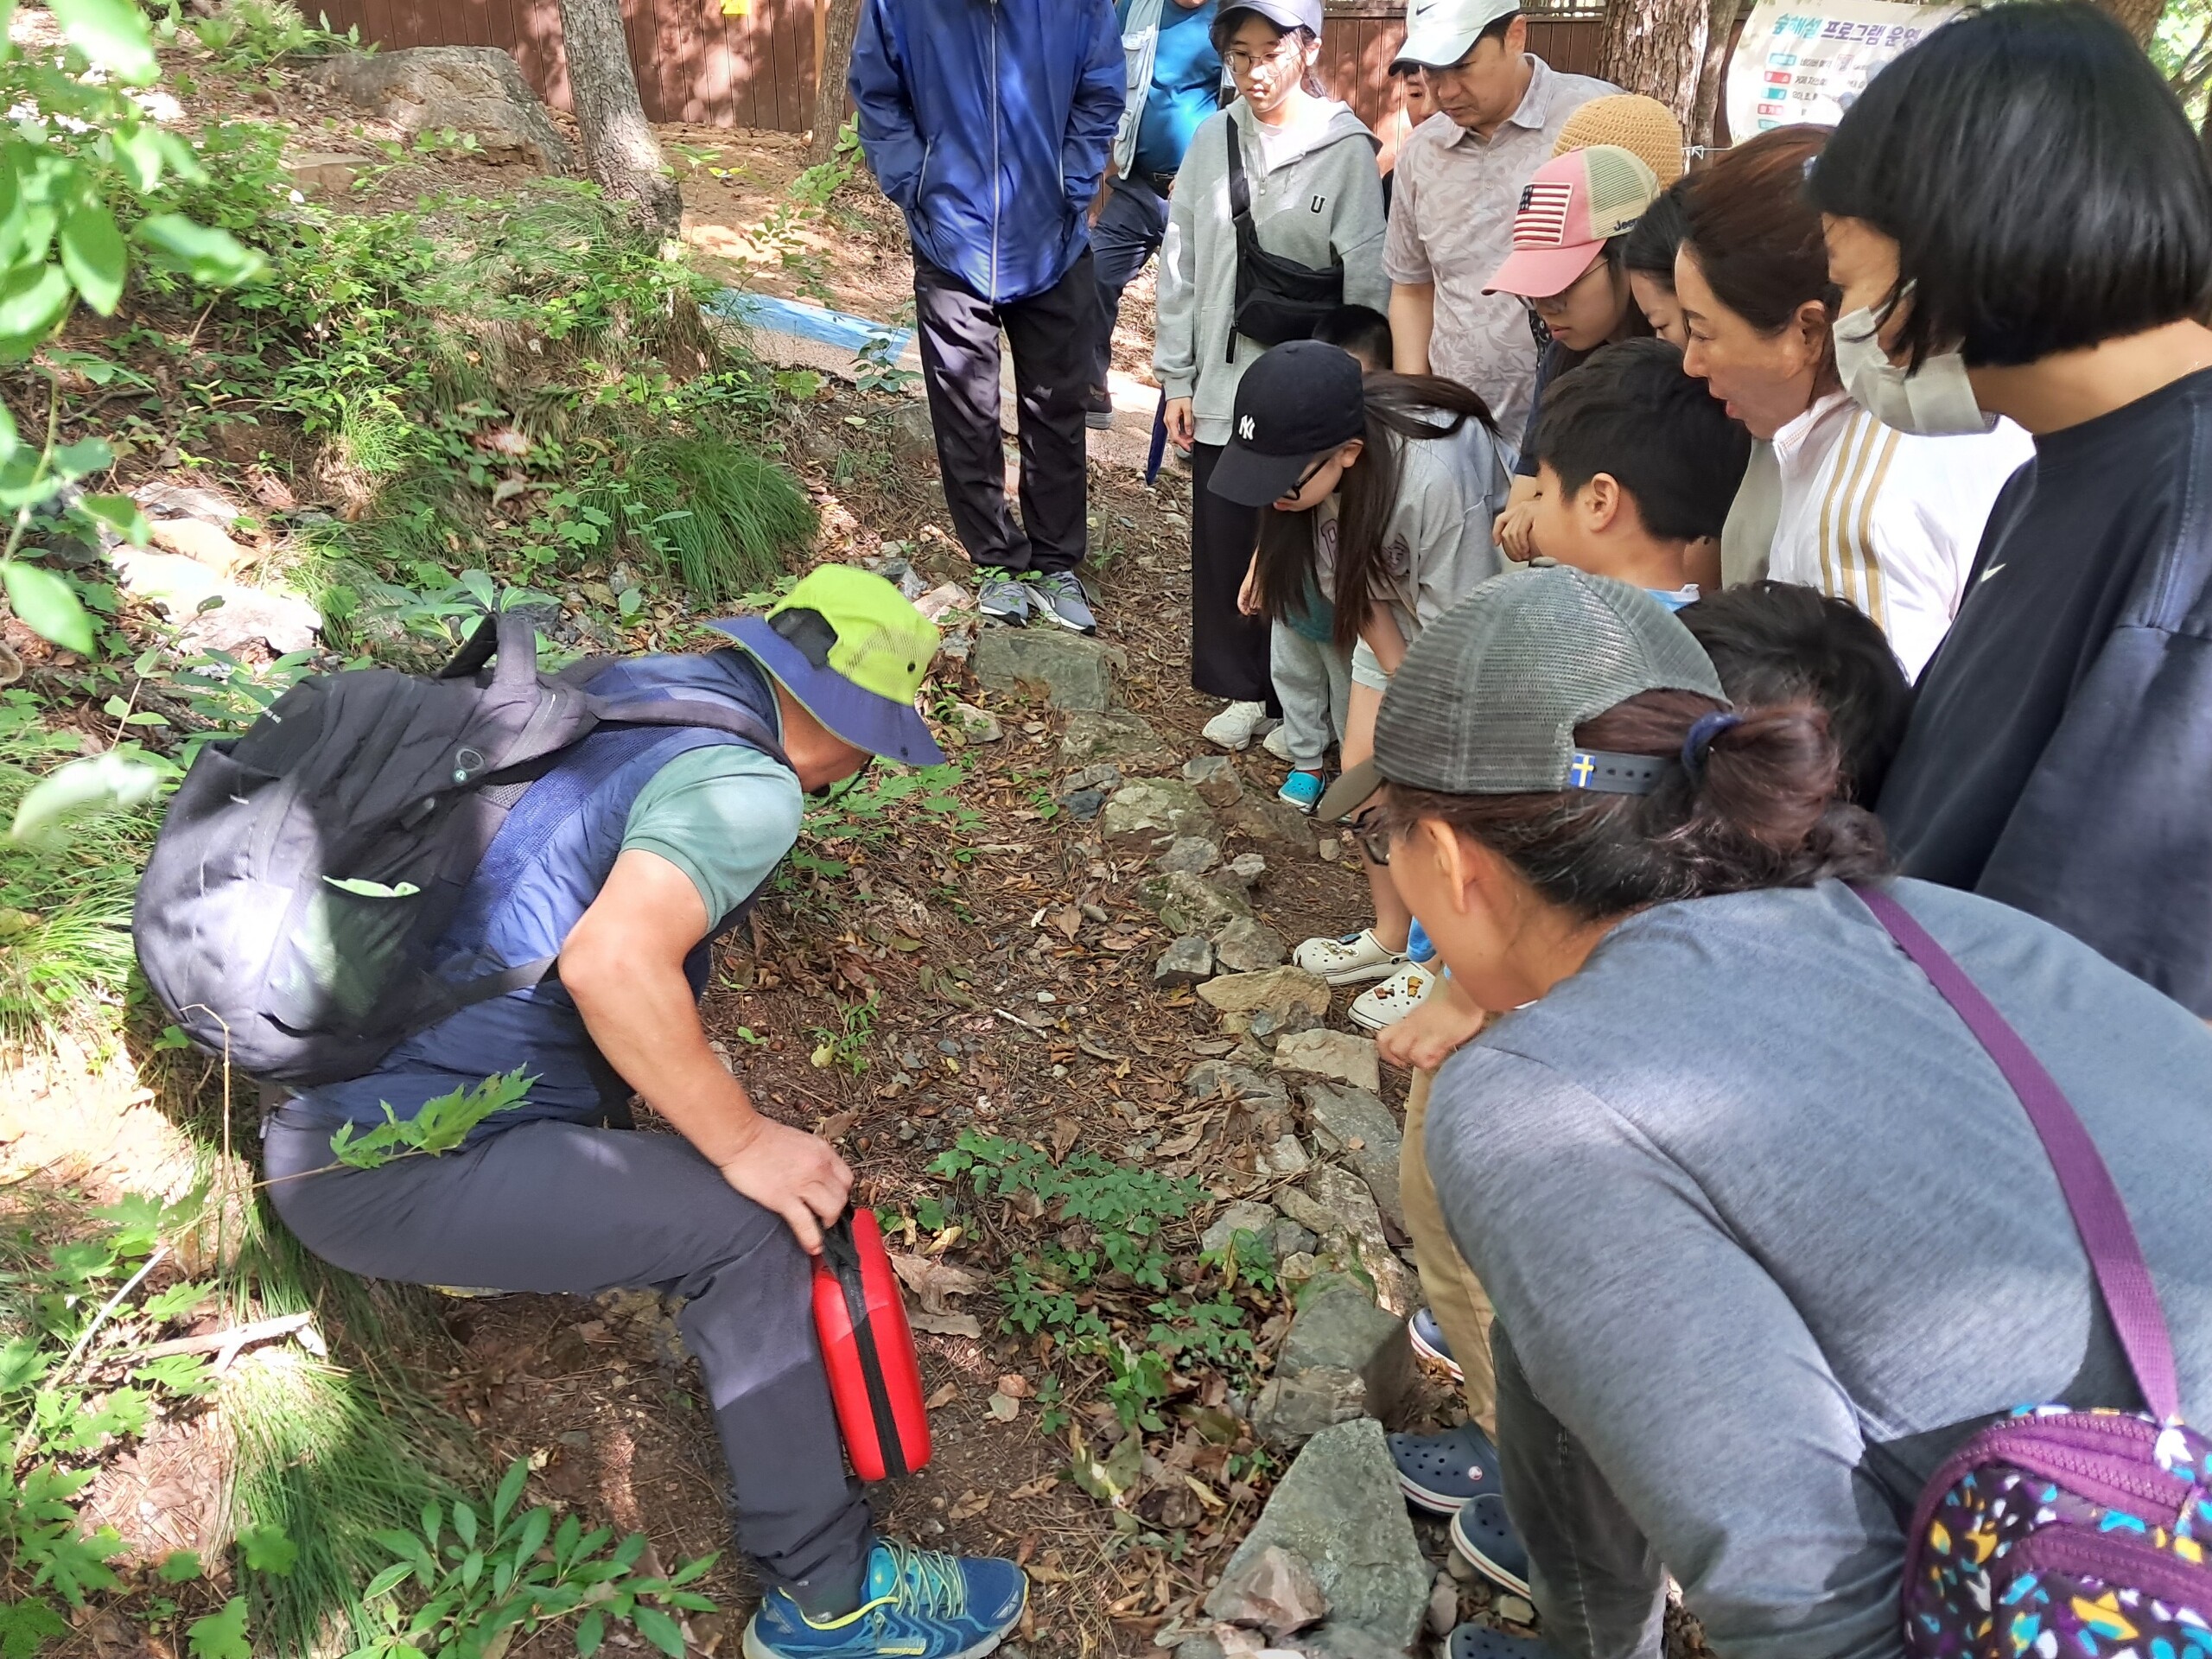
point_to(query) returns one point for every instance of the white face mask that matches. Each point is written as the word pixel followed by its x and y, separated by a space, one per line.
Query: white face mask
pixel 1933 401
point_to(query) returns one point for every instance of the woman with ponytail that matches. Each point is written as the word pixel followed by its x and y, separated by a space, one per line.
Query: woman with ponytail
pixel 1767 1232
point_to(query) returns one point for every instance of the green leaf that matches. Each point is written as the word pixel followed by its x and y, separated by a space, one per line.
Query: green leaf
pixel 214 258
pixel 531 1538
pixel 268 1549
pixel 21 1365
pixel 75 460
pixel 591 1630
pixel 114 35
pixel 181 1374
pixel 510 1485
pixel 49 606
pixel 32 300
pixel 660 1630
pixel 175 1302
pixel 221 1635
pixel 464 1522
pixel 112 782
pixel 93 255
pixel 180 1567
pixel 387 1581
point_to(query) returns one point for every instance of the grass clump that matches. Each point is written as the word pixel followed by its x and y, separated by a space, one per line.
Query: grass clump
pixel 714 515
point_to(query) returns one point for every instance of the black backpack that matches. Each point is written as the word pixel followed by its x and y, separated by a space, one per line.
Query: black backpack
pixel 306 869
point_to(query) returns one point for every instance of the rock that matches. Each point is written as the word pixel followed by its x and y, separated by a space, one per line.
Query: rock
pixel 1357 1124
pixel 1247 946
pixel 1246 870
pixel 326 173
pixel 913 436
pixel 1286 1157
pixel 1186 962
pixel 1287 1239
pixel 1282 991
pixel 1191 854
pixel 1297 1268
pixel 1335 1204
pixel 166 500
pixel 1244 1216
pixel 249 616
pixel 1343 1358
pixel 470 88
pixel 1189 904
pixel 1265 818
pixel 1215 779
pixel 1153 809
pixel 1082 804
pixel 1340 1510
pixel 1274 1591
pixel 197 539
pixel 1072 670
pixel 943 599
pixel 1105 779
pixel 973 724
pixel 1218 1080
pixel 1114 733
pixel 1443 1605
pixel 1331 1054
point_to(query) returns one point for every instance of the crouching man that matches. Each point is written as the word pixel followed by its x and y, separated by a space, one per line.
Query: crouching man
pixel 625 859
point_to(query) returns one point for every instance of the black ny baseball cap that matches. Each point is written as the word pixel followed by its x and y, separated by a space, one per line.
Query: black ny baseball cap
pixel 1301 400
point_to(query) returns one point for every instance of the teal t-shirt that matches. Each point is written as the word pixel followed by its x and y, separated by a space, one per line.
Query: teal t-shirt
pixel 724 815
pixel 1185 86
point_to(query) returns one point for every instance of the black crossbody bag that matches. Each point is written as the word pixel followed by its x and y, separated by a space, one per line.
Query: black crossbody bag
pixel 1277 299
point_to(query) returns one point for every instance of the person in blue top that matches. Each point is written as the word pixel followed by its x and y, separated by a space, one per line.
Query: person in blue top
pixel 1173 84
pixel 988 122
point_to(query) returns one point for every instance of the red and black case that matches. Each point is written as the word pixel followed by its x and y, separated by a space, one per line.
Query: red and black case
pixel 868 1351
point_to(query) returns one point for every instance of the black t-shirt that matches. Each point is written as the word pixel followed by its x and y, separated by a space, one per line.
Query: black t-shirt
pixel 2059 756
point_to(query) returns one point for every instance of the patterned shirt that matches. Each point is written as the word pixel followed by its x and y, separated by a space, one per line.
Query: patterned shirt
pixel 1452 212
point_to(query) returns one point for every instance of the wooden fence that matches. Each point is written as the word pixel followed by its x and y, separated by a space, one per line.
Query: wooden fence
pixel 695 64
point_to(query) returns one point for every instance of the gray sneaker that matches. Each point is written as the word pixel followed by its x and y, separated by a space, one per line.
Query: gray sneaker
pixel 1060 596
pixel 1001 598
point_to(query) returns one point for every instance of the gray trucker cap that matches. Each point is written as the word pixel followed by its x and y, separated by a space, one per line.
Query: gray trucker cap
pixel 1487 697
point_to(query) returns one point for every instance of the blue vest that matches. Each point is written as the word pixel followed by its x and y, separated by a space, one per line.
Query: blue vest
pixel 541 873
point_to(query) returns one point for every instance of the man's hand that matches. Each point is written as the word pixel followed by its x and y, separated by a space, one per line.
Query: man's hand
pixel 797 1175
pixel 1182 425
pixel 1432 1033
pixel 1512 532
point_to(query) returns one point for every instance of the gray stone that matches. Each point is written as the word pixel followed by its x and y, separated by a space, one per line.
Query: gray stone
pixel 975 725
pixel 1246 870
pixel 1287 1239
pixel 250 617
pixel 1105 779
pixel 1335 1204
pixel 1244 1216
pixel 1283 991
pixel 1265 818
pixel 162 499
pixel 1358 1125
pixel 1340 1510
pixel 913 437
pixel 1187 903
pixel 323 172
pixel 1218 1080
pixel 1274 1591
pixel 1335 1054
pixel 1072 672
pixel 1215 777
pixel 1082 804
pixel 1286 1157
pixel 1155 809
pixel 1192 855
pixel 944 599
pixel 1113 735
pixel 1298 1266
pixel 1247 946
pixel 470 88
pixel 1186 962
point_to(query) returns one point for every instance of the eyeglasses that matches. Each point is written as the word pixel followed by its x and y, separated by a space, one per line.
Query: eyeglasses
pixel 1241 62
pixel 1373 836
pixel 1306 477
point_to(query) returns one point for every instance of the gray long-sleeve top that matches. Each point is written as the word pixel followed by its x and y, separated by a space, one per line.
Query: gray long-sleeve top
pixel 1770 1233
pixel 1320 203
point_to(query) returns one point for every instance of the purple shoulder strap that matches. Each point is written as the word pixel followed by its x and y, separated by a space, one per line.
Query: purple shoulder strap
pixel 2099 1216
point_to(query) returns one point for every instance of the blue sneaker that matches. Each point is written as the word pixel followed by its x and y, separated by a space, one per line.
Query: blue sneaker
pixel 1442 1473
pixel 1428 1342
pixel 917 1604
pixel 1303 790
pixel 1482 1536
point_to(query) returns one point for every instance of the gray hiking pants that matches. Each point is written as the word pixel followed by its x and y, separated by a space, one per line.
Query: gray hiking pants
pixel 558 1206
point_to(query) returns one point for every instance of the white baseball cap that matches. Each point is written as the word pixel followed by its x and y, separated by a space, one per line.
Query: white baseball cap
pixel 1439 33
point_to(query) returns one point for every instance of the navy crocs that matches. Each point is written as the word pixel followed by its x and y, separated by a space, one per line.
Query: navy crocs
pixel 1483 1536
pixel 1479 1642
pixel 1441 1472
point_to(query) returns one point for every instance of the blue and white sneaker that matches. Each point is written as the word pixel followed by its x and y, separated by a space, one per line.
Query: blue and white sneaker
pixel 1427 1336
pixel 1303 789
pixel 917 1604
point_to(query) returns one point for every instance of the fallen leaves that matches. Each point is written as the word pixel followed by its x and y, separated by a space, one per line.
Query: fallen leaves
pixel 932 1282
pixel 970 1505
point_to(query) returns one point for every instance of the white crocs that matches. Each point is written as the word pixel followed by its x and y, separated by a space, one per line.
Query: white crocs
pixel 1395 998
pixel 1352 960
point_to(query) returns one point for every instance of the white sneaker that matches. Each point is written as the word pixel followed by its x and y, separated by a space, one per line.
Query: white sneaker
pixel 1352 960
pixel 1277 743
pixel 1233 726
pixel 1393 999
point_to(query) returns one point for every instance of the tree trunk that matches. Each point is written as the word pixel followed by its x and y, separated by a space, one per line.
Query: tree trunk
pixel 1657 47
pixel 2138 17
pixel 843 22
pixel 621 152
pixel 1720 34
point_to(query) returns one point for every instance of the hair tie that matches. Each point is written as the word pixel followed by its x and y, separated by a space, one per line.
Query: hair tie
pixel 1708 727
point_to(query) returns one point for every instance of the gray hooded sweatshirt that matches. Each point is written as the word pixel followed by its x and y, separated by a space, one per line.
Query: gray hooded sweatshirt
pixel 1322 200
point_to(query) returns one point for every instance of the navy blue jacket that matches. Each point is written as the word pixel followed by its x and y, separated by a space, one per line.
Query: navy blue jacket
pixel 989 122
pixel 541 873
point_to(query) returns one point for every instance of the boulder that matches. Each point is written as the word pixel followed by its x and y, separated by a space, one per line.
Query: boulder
pixel 196 538
pixel 470 88
pixel 1335 1054
pixel 1265 818
pixel 1335 1204
pixel 1186 962
pixel 1249 946
pixel 1282 991
pixel 1191 854
pixel 1357 1124
pixel 326 172
pixel 1214 776
pixel 1113 735
pixel 1072 672
pixel 1343 1358
pixel 1189 904
pixel 164 499
pixel 1244 1216
pixel 213 613
pixel 1340 1512
pixel 1274 1591
pixel 1153 810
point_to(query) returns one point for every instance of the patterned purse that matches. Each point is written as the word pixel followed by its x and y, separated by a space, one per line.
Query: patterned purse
pixel 2059 1533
